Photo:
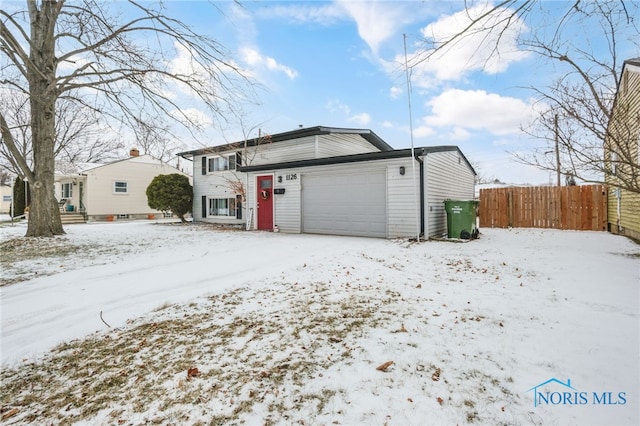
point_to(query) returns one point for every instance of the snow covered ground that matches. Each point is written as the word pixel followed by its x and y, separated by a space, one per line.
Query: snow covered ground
pixel 290 329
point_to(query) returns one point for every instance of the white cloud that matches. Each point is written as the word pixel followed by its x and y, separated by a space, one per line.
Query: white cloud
pixel 337 106
pixel 490 50
pixel 423 131
pixel 193 115
pixel 184 63
pixel 478 110
pixel 255 59
pixel 362 119
pixel 305 13
pixel 459 134
pixel 376 21
pixel 395 92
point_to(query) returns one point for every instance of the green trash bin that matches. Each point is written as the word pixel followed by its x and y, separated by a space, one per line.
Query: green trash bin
pixel 461 219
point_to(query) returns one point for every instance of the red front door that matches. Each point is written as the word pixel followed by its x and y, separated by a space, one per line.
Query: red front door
pixel 264 202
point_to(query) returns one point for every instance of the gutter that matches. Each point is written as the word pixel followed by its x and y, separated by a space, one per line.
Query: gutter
pixel 421 198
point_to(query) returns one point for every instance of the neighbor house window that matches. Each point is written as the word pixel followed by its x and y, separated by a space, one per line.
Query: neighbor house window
pixel 67 190
pixel 219 164
pixel 120 187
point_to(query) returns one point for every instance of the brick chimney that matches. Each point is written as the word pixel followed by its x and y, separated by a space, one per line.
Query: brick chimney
pixel 134 152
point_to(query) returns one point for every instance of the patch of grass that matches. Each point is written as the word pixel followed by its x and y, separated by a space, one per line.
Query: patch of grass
pixel 162 307
pixel 242 360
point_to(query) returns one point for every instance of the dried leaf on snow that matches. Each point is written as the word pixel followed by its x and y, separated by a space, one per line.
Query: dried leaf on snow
pixel 385 366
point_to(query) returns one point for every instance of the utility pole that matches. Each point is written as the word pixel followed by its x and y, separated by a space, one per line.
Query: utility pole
pixel 555 123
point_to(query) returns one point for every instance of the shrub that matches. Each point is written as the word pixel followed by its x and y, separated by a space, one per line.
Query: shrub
pixel 171 192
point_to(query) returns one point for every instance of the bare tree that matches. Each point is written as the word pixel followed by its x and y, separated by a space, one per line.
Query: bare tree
pixel 78 135
pixel 576 107
pixel 15 107
pixel 117 64
pixel 155 138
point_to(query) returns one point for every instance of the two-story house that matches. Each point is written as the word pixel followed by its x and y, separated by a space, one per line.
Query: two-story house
pixel 328 180
pixel 622 154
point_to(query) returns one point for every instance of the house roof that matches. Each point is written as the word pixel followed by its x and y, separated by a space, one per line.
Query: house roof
pixel 369 156
pixel 633 61
pixel 368 135
pixel 84 168
pixel 632 64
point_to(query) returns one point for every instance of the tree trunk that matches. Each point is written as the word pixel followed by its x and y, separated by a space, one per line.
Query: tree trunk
pixel 44 216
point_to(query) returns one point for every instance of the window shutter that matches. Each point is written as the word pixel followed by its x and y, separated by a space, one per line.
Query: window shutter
pixel 238 206
pixel 232 162
pixel 238 160
pixel 204 206
pixel 204 165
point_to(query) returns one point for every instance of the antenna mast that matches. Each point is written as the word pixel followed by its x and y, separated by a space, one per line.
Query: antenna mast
pixel 413 154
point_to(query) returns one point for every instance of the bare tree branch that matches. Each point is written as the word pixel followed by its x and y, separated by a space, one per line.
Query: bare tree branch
pixel 582 97
pixel 117 65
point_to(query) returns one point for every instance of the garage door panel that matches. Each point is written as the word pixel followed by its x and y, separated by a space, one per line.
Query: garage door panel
pixel 349 204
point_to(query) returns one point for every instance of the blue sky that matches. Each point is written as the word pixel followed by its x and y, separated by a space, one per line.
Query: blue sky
pixel 341 64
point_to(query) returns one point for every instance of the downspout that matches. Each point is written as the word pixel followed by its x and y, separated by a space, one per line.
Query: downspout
pixel 422 196
pixel 619 209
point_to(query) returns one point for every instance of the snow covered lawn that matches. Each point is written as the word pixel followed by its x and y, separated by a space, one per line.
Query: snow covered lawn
pixel 168 324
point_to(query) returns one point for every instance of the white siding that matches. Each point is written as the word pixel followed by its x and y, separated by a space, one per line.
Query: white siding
pixel 283 151
pixel 401 213
pixel 288 205
pixel 447 176
pixel 342 144
pixel 306 148
pixel 214 185
pixel 403 198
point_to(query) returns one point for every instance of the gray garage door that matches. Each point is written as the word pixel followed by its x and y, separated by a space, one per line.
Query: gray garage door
pixel 346 204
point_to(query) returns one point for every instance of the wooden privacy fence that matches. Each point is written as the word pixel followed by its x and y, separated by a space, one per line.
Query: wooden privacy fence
pixel 561 207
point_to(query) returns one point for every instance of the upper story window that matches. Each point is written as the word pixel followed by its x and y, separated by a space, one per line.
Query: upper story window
pixel 220 164
pixel 67 190
pixel 120 187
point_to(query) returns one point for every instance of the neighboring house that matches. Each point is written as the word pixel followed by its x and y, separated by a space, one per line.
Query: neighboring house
pixel 328 180
pixel 111 191
pixel 622 154
pixel 6 194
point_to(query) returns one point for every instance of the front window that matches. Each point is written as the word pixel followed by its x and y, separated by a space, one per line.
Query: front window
pixel 222 207
pixel 67 190
pixel 120 187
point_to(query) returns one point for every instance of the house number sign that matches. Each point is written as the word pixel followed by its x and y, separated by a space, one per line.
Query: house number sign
pixel 292 176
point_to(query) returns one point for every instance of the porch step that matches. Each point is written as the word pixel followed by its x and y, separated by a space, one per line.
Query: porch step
pixel 68 218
